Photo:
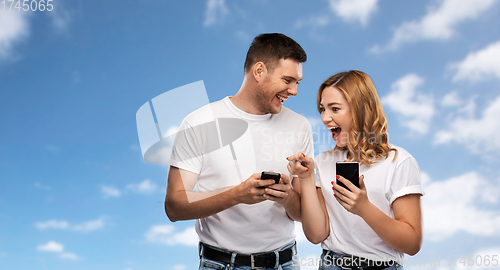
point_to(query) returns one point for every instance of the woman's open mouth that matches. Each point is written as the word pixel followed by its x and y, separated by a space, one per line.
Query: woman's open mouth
pixel 335 132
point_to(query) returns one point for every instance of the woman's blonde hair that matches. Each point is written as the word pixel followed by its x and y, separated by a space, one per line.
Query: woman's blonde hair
pixel 369 138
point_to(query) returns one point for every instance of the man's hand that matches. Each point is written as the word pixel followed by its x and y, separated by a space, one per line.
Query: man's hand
pixel 251 191
pixel 182 203
pixel 280 193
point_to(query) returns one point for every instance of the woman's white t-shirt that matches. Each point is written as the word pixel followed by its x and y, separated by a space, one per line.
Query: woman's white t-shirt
pixel 385 181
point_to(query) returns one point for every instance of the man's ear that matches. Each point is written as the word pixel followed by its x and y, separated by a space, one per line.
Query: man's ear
pixel 259 71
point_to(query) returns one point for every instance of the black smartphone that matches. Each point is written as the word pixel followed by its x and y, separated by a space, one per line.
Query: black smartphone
pixel 270 175
pixel 349 170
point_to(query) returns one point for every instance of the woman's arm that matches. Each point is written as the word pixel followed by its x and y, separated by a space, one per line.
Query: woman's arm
pixel 403 232
pixel 314 215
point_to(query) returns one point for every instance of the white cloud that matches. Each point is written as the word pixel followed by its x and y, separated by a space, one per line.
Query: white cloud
pixel 452 206
pixel 60 17
pixel 313 21
pixel 243 36
pixel 145 187
pixel 40 186
pixel 354 10
pixel 159 154
pixel 480 65
pixel 477 134
pixel 14 27
pixel 51 247
pixel 180 267
pixel 53 148
pixel 135 147
pixel 108 191
pixel 414 109
pixel 215 12
pixel 165 234
pixel 451 99
pixel 89 225
pixel 65 225
pixel 69 256
pixel 55 247
pixel 464 107
pixel 438 24
pixel 52 224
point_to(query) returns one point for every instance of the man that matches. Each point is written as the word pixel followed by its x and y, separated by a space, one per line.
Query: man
pixel 244 223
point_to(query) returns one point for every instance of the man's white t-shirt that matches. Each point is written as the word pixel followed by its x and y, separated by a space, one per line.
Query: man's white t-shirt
pixel 385 181
pixel 264 144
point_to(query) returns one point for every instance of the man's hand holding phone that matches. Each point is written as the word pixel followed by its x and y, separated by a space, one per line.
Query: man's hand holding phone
pixel 251 191
pixel 264 186
pixel 280 191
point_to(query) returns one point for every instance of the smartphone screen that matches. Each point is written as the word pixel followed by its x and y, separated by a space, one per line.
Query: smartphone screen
pixel 350 171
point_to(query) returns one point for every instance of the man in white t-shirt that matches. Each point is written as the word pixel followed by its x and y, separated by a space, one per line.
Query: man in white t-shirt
pixel 222 148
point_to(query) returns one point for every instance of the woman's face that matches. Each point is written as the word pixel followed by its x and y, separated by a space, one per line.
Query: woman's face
pixel 336 114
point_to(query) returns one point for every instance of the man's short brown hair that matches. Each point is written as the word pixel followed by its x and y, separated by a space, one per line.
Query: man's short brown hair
pixel 270 48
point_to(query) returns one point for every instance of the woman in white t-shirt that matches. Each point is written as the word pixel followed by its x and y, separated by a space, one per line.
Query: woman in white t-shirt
pixel 373 226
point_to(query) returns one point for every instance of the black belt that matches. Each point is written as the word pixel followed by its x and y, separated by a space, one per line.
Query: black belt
pixel 354 262
pixel 255 261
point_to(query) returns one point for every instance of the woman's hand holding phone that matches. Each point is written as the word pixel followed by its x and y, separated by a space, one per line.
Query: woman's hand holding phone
pixel 353 199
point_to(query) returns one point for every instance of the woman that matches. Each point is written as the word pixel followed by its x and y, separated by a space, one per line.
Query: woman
pixel 372 226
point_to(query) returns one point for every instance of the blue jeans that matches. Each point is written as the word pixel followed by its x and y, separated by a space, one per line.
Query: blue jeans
pixel 206 264
pixel 327 260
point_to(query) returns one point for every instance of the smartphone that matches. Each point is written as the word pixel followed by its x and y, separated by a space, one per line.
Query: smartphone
pixel 270 175
pixel 349 170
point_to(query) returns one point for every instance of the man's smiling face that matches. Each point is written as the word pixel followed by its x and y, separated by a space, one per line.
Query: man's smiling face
pixel 278 86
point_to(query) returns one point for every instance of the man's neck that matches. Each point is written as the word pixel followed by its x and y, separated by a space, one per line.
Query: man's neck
pixel 244 100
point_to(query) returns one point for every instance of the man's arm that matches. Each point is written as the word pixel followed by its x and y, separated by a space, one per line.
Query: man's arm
pixel 182 203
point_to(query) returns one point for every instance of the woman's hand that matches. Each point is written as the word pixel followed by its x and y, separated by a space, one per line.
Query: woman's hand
pixel 301 165
pixel 355 200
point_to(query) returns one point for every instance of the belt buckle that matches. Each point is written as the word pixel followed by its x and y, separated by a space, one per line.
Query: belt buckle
pixel 252 262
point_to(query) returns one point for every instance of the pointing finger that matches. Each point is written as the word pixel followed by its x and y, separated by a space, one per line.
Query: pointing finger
pixel 298 156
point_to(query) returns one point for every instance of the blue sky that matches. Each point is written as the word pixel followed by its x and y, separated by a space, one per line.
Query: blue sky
pixel 76 193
